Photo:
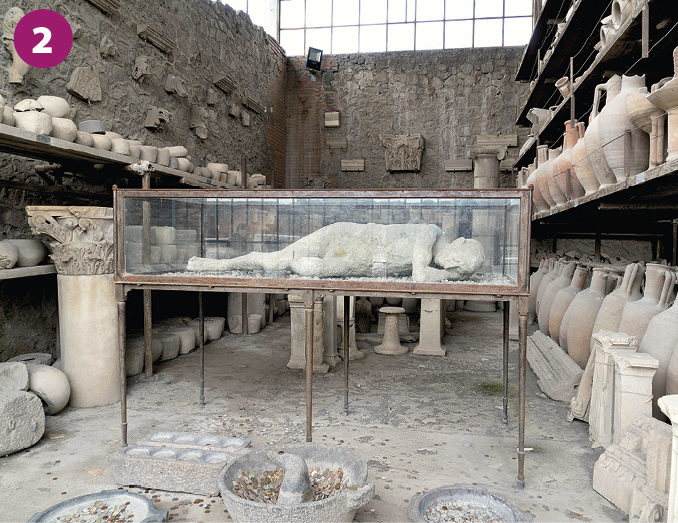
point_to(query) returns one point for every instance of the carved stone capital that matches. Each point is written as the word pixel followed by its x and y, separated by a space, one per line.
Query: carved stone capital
pixel 82 237
pixel 403 151
pixel 487 151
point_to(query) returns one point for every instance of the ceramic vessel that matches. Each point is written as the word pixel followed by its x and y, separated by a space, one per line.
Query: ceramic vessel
pixel 8 116
pixel 537 198
pixel 666 98
pixel 564 162
pixel 543 177
pixel 585 307
pixel 55 106
pixel 560 282
pixel 563 85
pixel 552 274
pixel 9 254
pixel 535 279
pixel 51 385
pixel 101 141
pixel 613 128
pixel 607 31
pixel 621 10
pixel 83 138
pixel 64 129
pixel 582 166
pixel 37 122
pixel 31 252
pixel 562 302
pixel 594 148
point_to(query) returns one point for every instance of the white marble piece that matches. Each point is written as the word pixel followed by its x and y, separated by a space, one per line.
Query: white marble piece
pixel 431 328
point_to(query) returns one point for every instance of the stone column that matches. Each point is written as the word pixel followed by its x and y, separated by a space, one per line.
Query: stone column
pixel 329 312
pixel 82 250
pixel 431 328
pixel 298 329
pixel 669 406
pixel 602 393
pixel 353 352
pixel 486 160
pixel 633 374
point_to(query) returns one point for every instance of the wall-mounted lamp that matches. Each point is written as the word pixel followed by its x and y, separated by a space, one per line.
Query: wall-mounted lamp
pixel 313 59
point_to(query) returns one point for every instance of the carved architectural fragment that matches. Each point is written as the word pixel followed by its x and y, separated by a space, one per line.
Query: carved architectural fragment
pixel 211 97
pixel 558 375
pixel 85 84
pixel 224 82
pixel 174 84
pixel 141 68
pixel 253 105
pixel 234 110
pixel 19 67
pixel 197 121
pixel 107 6
pixel 352 165
pixel 246 118
pixel 154 37
pixel 336 142
pixel 107 48
pixel 403 152
pixel 156 117
pixel 82 237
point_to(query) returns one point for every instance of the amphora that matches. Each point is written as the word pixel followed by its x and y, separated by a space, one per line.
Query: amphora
pixel 546 280
pixel 560 282
pixel 592 140
pixel 535 279
pixel 563 300
pixel 563 166
pixel 537 198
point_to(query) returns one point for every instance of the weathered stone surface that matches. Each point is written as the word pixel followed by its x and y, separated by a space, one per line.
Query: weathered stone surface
pixel 85 84
pixel 37 358
pixel 558 375
pixel 431 328
pixel 22 421
pixel 187 337
pixel 171 345
pixel 13 376
pixel 51 386
pixel 390 344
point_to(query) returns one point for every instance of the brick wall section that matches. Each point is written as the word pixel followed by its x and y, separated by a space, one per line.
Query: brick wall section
pixel 276 140
pixel 448 96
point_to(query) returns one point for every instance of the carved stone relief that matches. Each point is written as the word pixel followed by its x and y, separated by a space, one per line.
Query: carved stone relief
pixel 211 97
pixel 174 84
pixel 141 68
pixel 315 183
pixel 156 38
pixel 19 67
pixel 85 84
pixel 76 28
pixel 107 48
pixel 197 122
pixel 403 151
pixel 246 118
pixel 234 110
pixel 156 117
pixel 82 237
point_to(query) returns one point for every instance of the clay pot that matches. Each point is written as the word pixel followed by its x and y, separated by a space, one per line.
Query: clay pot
pixel 607 31
pixel 563 85
pixel 555 270
pixel 537 198
pixel 614 124
pixel 659 282
pixel 660 341
pixel 543 177
pixel 582 166
pixel 621 10
pixel 148 153
pixel 562 281
pixel 34 121
pixel 28 104
pixel 64 129
pixel 84 138
pixel 101 142
pixel 582 315
pixel 592 139
pixel 55 106
pixel 562 302
pixel 120 146
pixel 535 279
pixel 8 116
pixel 9 254
pixel 31 252
pixel 51 385
pixel 666 98
pixel 564 162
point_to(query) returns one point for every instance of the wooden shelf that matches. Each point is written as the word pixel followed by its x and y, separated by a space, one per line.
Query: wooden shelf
pixel 31 145
pixel 24 272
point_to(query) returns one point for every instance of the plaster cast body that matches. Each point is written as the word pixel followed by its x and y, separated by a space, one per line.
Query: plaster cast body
pixel 347 249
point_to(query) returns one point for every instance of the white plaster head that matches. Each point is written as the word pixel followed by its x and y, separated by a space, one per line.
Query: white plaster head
pixel 463 257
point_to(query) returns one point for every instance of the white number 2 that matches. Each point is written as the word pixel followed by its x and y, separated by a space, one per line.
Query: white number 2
pixel 46 37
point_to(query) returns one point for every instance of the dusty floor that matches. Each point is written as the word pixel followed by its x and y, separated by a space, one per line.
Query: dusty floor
pixel 420 422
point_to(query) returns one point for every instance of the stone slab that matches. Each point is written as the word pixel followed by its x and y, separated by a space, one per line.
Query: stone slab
pixel 13 376
pixel 558 375
pixel 22 421
pixel 196 440
pixel 171 345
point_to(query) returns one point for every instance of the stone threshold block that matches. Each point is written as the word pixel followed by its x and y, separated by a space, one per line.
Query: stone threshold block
pixel 558 375
pixel 177 462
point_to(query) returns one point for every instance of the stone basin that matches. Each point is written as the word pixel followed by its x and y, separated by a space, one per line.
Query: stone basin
pixel 340 507
pixel 141 507
pixel 504 510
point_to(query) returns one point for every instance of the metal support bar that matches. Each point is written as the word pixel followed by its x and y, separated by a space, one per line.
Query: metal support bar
pixel 522 366
pixel 245 322
pixel 148 334
pixel 309 365
pixel 201 332
pixel 347 315
pixel 122 327
pixel 505 376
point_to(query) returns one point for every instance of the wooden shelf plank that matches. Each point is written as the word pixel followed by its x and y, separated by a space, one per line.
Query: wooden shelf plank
pixel 24 272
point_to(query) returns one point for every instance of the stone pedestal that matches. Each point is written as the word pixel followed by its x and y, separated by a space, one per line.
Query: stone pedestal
pixel 669 406
pixel 353 352
pixel 82 250
pixel 298 328
pixel 403 326
pixel 391 343
pixel 431 328
pixel 632 389
pixel 602 393
pixel 330 355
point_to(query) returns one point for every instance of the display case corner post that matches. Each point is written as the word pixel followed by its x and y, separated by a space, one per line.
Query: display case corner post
pixel 346 335
pixel 122 326
pixel 201 335
pixel 522 373
pixel 308 350
pixel 505 361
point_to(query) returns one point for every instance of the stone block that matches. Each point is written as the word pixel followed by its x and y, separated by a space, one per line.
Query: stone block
pixel 298 334
pixel 171 345
pixel 558 375
pixel 332 119
pixel 22 421
pixel 134 359
pixel 431 328
pixel 187 337
pixel 13 376
pixel 615 473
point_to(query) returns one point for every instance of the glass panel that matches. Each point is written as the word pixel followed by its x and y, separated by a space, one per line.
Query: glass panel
pixel 291 14
pixel 489 8
pixel 319 38
pixel 471 240
pixel 458 9
pixel 430 35
pixel 373 11
pixel 292 41
pixel 346 12
pixel 518 8
pixel 319 13
pixel 401 37
pixel 345 40
pixel 488 33
pixel 373 38
pixel 397 11
pixel 517 31
pixel 458 34
pixel 430 10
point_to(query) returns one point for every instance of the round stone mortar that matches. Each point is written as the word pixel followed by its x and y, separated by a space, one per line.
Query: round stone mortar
pixel 140 506
pixel 504 510
pixel 340 507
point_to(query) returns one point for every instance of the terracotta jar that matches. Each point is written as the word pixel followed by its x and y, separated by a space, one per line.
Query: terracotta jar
pixel 563 300
pixel 592 141
pixel 549 265
pixel 564 162
pixel 666 98
pixel 659 281
pixel 614 123
pixel 621 10
pixel 537 198
pixel 610 313
pixel 546 280
pixel 582 165
pixel 543 180
pixel 584 308
pixel 560 282
pixel 660 341
pixel 535 279
pixel 31 252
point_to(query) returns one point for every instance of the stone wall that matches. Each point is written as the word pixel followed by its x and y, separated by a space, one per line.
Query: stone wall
pixel 449 97
pixel 210 38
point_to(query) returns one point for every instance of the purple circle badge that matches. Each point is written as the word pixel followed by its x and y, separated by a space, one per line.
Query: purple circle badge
pixel 43 38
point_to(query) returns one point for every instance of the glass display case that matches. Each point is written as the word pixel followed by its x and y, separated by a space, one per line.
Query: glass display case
pixel 435 241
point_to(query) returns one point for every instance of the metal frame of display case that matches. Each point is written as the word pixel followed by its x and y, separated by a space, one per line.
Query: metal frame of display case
pixel 311 289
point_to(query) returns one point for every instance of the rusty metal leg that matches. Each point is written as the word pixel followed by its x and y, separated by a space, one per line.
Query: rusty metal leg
pixel 201 334
pixel 245 324
pixel 271 315
pixel 122 307
pixel 148 334
pixel 309 369
pixel 522 364
pixel 505 376
pixel 347 313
